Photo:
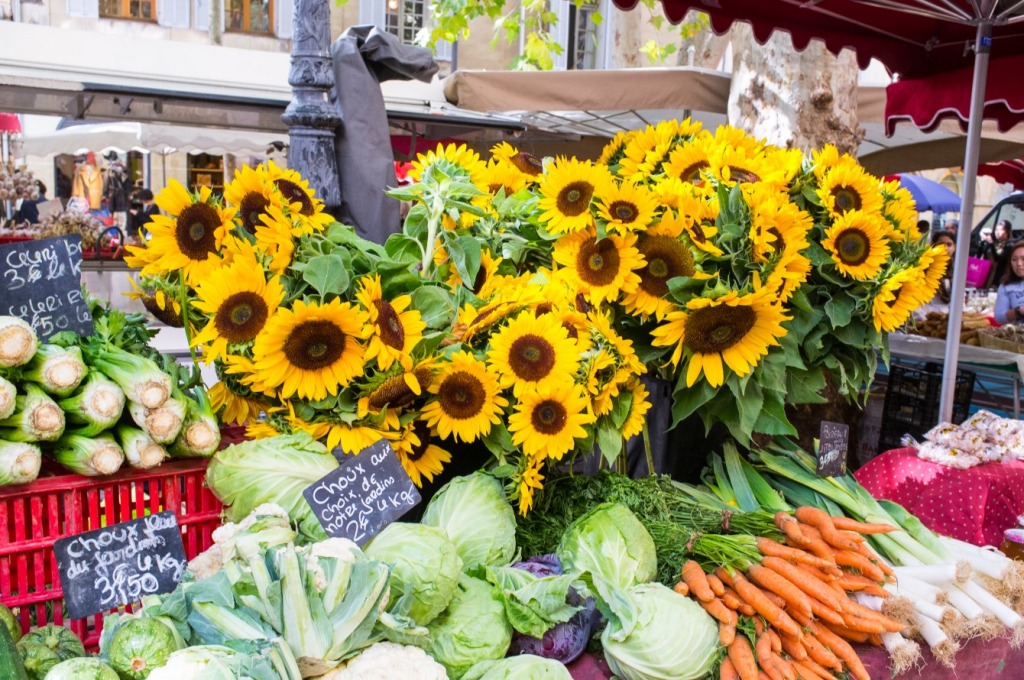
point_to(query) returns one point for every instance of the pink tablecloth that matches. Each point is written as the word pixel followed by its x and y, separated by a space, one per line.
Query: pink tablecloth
pixel 974 505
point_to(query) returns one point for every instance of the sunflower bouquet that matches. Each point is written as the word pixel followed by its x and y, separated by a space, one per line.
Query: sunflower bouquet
pixel 749 275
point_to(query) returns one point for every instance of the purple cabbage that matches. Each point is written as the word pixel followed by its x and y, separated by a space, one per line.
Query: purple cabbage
pixel 565 641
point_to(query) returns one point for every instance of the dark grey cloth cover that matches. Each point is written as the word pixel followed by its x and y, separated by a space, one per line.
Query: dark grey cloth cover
pixel 363 57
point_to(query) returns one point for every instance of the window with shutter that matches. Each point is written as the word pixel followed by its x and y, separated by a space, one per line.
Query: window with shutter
pixel 404 18
pixel 84 8
pixel 284 19
pixel 170 13
pixel 584 36
pixel 136 10
pixel 249 16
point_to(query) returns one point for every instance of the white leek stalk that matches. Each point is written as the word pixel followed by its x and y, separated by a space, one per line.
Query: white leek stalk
pixel 941 645
pixel 904 654
pixel 18 342
pixel 19 462
pixel 1007 616
pixel 937 574
pixel 56 369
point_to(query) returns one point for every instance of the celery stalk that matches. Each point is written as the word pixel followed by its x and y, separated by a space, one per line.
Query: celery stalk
pixel 36 418
pixel 139 448
pixel 19 462
pixel 199 436
pixel 96 407
pixel 162 424
pixel 8 395
pixel 56 369
pixel 140 378
pixel 89 456
pixel 18 342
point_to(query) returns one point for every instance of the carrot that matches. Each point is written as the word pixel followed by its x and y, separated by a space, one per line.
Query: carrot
pixel 817 544
pixel 865 550
pixel 875 639
pixel 726 634
pixel 769 547
pixel 804 672
pixel 822 654
pixel 742 657
pixel 776 641
pixel 763 650
pixel 791 528
pixel 841 649
pixel 761 675
pixel 859 611
pixel 721 613
pixel 727 671
pixel 855 582
pixel 847 634
pixel 717 587
pixel 821 520
pixel 731 599
pixel 772 670
pixel 855 560
pixel 763 605
pixel 805 582
pixel 794 647
pixel 822 672
pixel 784 667
pixel 773 582
pixel 775 599
pixel 848 524
pixel 695 578
pixel 825 577
pixel 852 535
pixel 826 613
pixel 682 588
pixel 724 576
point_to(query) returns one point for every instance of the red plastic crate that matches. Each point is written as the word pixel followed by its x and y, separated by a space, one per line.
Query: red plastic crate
pixel 33 516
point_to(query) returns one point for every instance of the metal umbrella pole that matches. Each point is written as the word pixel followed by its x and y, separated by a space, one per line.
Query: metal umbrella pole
pixel 982 46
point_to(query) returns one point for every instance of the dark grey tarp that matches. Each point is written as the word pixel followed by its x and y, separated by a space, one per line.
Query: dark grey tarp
pixel 363 57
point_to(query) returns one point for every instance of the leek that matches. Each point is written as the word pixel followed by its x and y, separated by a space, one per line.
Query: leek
pixel 162 424
pixel 19 462
pixel 199 436
pixel 89 456
pixel 140 450
pixel 140 378
pixel 36 418
pixel 8 394
pixel 56 369
pixel 18 342
pixel 96 407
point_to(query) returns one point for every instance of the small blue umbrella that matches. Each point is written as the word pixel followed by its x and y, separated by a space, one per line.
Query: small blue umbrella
pixel 929 195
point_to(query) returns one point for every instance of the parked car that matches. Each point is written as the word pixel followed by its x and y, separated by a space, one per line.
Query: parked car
pixel 1009 208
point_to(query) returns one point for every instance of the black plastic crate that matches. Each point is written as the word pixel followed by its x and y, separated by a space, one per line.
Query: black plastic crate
pixel 912 402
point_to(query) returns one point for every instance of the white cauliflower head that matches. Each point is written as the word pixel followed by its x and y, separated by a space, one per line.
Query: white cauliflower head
pixel 390 661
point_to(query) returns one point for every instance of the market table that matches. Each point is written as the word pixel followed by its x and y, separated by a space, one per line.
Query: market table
pixel 974 505
pixel 977 659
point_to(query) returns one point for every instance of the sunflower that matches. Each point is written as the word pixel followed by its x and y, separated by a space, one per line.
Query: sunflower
pixel 398 391
pixel 688 162
pixel 420 457
pixel 305 209
pixel 788 274
pixel 647 149
pixel 236 409
pixel 275 238
pixel 396 329
pixel 828 157
pixel 848 188
pixel 934 263
pixel 901 211
pixel 898 297
pixel 242 370
pixel 353 438
pixel 484 276
pixel 533 351
pixel 734 329
pixel 547 421
pixel 187 240
pixel 468 404
pixel 311 350
pixel 238 299
pixel 524 162
pixel 613 151
pixel 627 207
pixel 502 176
pixel 458 162
pixel 505 302
pixel 696 217
pixel 777 226
pixel 530 481
pixel 666 258
pixel 601 327
pixel 638 409
pixel 260 430
pixel 251 192
pixel 857 245
pixel 566 192
pixel 600 269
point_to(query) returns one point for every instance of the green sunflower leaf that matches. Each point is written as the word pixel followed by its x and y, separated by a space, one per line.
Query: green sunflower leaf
pixel 327 274
pixel 772 420
pixel 435 306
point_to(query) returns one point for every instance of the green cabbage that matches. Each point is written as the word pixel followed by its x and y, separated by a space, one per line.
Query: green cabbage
pixel 673 637
pixel 82 669
pixel 610 542
pixel 522 667
pixel 272 470
pixel 475 514
pixel 472 629
pixel 139 646
pixel 425 569
pixel 38 659
pixel 7 619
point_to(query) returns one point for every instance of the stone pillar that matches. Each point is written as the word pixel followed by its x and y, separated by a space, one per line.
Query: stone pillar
pixel 311 118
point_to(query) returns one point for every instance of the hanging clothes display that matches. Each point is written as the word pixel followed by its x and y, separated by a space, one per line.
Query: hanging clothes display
pixel 88 183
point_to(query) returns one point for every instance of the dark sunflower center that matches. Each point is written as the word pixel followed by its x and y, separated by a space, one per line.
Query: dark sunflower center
pixel 779 244
pixel 527 163
pixel 195 231
pixel 571 330
pixel 549 417
pixel 252 205
pixel 598 262
pixel 896 295
pixel 461 395
pixel 293 193
pixel 666 258
pixel 847 199
pixel 314 345
pixel 697 233
pixel 581 303
pixel 691 173
pixel 392 333
pixel 853 246
pixel 543 308
pixel 480 280
pixel 741 175
pixel 241 317
pixel 531 357
pixel 498 186
pixel 574 198
pixel 715 329
pixel 624 211
pixel 422 432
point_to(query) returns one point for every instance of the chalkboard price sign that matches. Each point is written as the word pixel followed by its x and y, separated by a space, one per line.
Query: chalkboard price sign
pixel 120 564
pixel 41 282
pixel 833 447
pixel 363 495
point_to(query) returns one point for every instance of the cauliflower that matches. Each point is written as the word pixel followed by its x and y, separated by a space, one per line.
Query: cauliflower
pixel 389 661
pixel 207 563
pixel 264 510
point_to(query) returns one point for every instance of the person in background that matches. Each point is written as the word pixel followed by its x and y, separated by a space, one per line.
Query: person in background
pixel 29 210
pixel 141 216
pixel 1010 296
pixel 998 252
pixel 940 303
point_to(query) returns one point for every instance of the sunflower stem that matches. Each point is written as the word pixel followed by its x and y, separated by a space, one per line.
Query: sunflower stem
pixel 433 222
pixel 621 463
pixel 183 299
pixel 648 454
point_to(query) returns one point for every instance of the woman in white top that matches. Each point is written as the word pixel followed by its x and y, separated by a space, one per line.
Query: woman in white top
pixel 1010 296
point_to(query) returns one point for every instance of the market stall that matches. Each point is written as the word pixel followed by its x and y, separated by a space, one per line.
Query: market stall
pixel 413 412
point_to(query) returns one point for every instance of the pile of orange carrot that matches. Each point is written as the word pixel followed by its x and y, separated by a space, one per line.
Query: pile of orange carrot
pixel 790 617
